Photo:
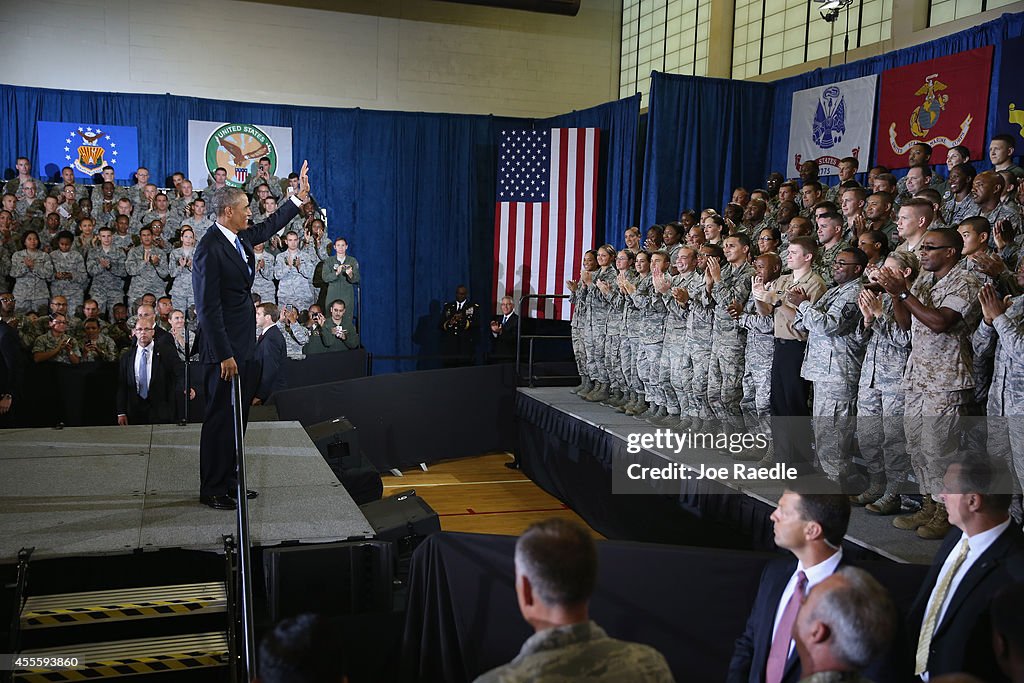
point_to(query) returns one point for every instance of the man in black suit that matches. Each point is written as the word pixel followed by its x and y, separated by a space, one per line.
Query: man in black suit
pixel 271 353
pixel 983 553
pixel 222 277
pixel 810 525
pixel 145 380
pixel 11 371
pixel 504 332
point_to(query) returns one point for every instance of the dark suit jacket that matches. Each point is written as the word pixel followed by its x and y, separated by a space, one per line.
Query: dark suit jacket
pixel 10 361
pixel 271 354
pixel 504 346
pixel 962 640
pixel 161 385
pixel 222 284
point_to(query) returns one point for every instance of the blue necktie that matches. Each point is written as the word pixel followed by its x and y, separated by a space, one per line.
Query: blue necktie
pixel 241 252
pixel 144 375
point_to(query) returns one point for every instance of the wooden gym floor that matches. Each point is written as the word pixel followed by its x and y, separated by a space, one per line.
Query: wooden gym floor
pixel 481 495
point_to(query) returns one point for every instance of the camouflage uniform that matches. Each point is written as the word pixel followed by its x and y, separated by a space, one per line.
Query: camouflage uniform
pixel 652 334
pixel 1001 212
pixel 13 186
pixel 581 652
pixel 74 289
pixel 170 219
pixel 680 361
pixel 629 352
pixel 181 278
pixel 880 398
pixel 938 381
pixel 31 285
pixel 728 343
pixel 106 350
pixel 97 194
pixel 953 211
pixel 273 183
pixel 199 227
pixel 263 278
pixel 599 313
pixel 670 368
pixel 48 342
pixel 616 301
pixel 577 325
pixel 123 242
pixel 757 368
pixel 1004 340
pixel 826 258
pixel 832 362
pixel 145 277
pixel 697 352
pixel 903 194
pixel 107 283
pixel 295 337
pixel 295 285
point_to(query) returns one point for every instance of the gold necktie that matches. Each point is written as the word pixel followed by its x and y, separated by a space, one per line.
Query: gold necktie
pixel 924 642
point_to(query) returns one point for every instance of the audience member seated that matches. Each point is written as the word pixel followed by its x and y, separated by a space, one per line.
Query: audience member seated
pixel 331 334
pixel 556 570
pixel 1008 631
pixel 303 649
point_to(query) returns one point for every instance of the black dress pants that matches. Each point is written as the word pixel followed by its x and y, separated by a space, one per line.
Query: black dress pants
pixel 217 466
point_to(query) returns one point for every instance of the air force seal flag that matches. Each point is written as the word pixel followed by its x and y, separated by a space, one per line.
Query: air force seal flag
pixel 832 122
pixel 87 148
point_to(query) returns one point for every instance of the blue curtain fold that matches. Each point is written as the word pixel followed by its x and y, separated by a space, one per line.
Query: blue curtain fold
pixel 618 122
pixel 990 33
pixel 704 137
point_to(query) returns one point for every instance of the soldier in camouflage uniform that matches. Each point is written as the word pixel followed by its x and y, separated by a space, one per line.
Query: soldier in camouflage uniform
pixel 17 184
pixel 1001 335
pixel 96 346
pixel 919 154
pixel 179 263
pixel 957 202
pixel 569 647
pixel 146 265
pixel 293 270
pixel 32 271
pixel 69 275
pixel 757 373
pixel 939 380
pixel 652 335
pixel 754 220
pixel 122 237
pixel 296 335
pixel 199 221
pixel 263 276
pixel 616 299
pixel 697 349
pixel 630 351
pixel 671 372
pixel 830 233
pixel 106 267
pixel 987 192
pixel 727 285
pixel 263 176
pixel 578 324
pixel 832 361
pixel 162 212
pixel 107 176
pixel 847 172
pixel 599 310
pixel 881 401
pixel 56 345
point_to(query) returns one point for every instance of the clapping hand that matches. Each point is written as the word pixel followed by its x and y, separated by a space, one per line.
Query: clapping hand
pixel 870 305
pixel 992 306
pixel 797 296
pixel 893 282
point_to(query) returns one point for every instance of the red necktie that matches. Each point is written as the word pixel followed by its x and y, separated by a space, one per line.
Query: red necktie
pixel 779 653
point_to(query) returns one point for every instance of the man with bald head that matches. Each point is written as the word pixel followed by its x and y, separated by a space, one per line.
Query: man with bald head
pixel 987 192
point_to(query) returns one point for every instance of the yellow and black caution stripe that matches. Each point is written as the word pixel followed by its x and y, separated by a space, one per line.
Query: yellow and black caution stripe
pixel 133 658
pixel 137 603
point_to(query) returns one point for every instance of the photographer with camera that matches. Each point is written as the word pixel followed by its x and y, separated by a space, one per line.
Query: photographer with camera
pixel 333 334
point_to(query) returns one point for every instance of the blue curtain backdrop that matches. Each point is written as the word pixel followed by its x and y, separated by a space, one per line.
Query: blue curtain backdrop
pixel 618 122
pixel 990 33
pixel 704 137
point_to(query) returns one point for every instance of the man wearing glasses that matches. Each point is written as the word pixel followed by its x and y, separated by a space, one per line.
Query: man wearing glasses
pixel 941 310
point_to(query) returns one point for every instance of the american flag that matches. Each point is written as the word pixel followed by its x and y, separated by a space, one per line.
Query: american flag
pixel 241 174
pixel 545 217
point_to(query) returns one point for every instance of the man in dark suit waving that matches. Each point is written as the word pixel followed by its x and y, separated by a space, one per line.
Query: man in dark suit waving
pixel 222 276
pixel 981 554
pixel 811 525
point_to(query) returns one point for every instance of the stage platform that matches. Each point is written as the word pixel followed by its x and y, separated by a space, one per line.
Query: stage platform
pixel 113 490
pixel 570 447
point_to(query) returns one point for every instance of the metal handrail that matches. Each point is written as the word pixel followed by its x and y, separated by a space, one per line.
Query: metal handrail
pixel 248 660
pixel 24 555
pixel 231 592
pixel 532 337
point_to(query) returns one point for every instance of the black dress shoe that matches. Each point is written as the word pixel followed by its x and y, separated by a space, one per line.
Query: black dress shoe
pixel 249 494
pixel 218 502
pixel 514 465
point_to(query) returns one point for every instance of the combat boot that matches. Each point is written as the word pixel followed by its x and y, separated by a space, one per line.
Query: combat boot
pixel 615 399
pixel 600 393
pixel 652 411
pixel 889 503
pixel 876 487
pixel 937 527
pixel 627 400
pixel 916 519
pixel 584 388
pixel 638 406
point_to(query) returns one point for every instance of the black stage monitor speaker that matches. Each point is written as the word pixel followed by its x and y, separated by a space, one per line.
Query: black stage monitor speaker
pixel 331 579
pixel 401 516
pixel 337 441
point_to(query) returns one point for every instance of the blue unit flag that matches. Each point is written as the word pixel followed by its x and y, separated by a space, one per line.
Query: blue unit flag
pixel 87 148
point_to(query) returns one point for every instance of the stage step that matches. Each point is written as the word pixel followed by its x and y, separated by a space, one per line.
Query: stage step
pixel 150 602
pixel 132 657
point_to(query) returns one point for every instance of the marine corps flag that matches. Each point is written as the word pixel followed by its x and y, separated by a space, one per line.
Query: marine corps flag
pixel 943 102
pixel 1010 115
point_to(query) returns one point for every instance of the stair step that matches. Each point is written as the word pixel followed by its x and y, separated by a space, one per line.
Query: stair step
pixel 132 657
pixel 150 602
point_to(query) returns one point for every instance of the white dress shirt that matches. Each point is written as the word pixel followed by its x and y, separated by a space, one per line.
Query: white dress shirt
pixel 815 575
